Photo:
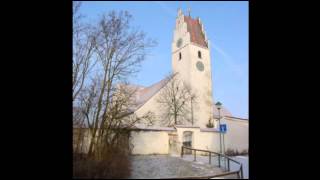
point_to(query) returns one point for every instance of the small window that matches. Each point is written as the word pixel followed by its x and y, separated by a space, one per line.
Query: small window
pixel 199 54
pixel 180 57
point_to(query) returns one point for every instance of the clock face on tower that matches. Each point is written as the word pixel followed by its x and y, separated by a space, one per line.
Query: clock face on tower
pixel 200 66
pixel 179 42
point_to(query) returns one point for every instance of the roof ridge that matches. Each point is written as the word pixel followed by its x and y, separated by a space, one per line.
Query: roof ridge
pixel 149 89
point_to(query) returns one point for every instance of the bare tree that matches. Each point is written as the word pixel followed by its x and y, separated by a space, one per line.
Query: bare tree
pixel 193 98
pixel 82 63
pixel 174 99
pixel 119 50
pixel 105 55
pixel 120 119
pixel 78 130
pixel 83 39
pixel 76 16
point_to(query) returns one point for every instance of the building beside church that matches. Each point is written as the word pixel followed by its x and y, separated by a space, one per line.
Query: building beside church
pixel 191 61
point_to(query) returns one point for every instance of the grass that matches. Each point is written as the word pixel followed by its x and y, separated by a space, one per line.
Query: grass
pixel 112 165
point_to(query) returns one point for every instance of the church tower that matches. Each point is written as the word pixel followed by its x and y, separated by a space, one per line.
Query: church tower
pixel 191 60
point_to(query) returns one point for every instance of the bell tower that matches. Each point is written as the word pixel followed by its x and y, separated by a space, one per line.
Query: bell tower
pixel 191 61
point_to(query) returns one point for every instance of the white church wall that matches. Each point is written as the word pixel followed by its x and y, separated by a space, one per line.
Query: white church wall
pixel 182 66
pixel 180 31
pixel 201 140
pixel 201 84
pixel 157 142
pixel 208 141
pixel 200 81
pixel 237 136
pixel 153 106
pixel 150 142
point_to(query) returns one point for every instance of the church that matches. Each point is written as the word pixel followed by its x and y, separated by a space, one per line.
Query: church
pixel 191 61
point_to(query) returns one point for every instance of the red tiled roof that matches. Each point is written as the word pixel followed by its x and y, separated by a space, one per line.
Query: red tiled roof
pixel 196 34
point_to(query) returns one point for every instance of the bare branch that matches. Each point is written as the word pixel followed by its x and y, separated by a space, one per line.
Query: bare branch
pixel 118 51
pixel 174 100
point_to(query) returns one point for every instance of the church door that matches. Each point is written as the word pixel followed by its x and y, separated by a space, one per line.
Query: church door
pixel 187 141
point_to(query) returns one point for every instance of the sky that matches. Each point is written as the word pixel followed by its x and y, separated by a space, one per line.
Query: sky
pixel 226 25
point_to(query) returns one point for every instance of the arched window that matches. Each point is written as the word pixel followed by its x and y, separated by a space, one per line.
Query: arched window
pixel 199 54
pixel 187 141
pixel 187 138
pixel 180 57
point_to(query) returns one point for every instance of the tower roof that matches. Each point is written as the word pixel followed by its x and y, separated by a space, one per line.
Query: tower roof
pixel 195 30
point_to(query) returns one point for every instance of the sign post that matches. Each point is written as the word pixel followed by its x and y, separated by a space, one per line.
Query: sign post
pixel 223 130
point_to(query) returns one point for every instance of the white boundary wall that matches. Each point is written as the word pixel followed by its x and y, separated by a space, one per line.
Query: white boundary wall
pixel 237 136
pixel 157 142
pixel 150 142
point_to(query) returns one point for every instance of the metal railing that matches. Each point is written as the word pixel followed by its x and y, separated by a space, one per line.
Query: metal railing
pixel 239 172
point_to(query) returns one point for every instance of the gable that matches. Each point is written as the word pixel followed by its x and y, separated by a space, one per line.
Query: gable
pixel 195 30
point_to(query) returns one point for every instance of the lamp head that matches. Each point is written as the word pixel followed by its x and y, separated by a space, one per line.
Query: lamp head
pixel 218 105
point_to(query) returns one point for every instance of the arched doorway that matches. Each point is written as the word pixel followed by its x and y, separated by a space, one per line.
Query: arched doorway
pixel 187 141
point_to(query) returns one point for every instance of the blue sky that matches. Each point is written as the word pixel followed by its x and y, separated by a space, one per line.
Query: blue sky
pixel 226 25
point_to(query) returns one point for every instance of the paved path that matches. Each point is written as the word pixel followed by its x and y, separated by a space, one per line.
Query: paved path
pixel 214 161
pixel 164 166
pixel 245 165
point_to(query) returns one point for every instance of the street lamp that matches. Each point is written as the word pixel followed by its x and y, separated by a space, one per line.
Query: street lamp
pixel 218 105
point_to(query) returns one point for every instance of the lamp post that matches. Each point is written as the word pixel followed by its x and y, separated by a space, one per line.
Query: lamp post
pixel 218 105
